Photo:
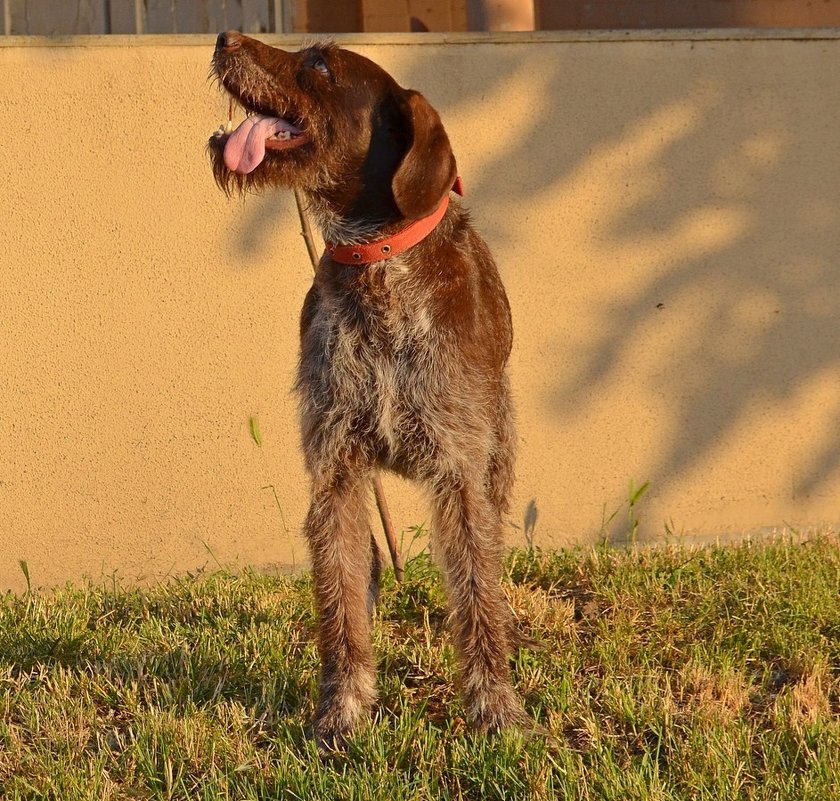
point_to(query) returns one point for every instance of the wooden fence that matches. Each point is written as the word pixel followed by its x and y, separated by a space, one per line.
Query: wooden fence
pixel 69 17
pixel 48 18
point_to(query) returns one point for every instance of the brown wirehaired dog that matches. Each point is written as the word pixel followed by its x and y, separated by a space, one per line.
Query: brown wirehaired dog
pixel 404 343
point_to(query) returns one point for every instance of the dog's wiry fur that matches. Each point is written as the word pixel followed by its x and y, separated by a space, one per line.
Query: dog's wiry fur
pixel 402 362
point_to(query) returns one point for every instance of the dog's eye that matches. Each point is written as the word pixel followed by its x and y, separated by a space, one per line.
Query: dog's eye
pixel 320 66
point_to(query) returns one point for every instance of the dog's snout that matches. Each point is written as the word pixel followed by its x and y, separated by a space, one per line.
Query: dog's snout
pixel 228 40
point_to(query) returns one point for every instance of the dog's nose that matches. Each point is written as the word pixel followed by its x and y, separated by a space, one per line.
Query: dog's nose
pixel 227 40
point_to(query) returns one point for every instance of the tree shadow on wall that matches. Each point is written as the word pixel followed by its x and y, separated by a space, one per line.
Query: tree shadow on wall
pixel 731 213
pixel 713 201
pixel 709 208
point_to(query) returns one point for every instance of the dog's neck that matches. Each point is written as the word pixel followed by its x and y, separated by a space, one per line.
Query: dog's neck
pixel 343 228
pixel 340 226
pixel 356 245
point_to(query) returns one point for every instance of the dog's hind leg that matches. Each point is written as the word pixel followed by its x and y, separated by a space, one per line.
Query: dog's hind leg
pixel 340 548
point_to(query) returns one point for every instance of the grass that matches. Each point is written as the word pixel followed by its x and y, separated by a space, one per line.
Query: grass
pixel 666 674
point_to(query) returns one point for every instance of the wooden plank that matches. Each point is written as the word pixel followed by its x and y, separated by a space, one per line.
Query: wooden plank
pixel 500 15
pixel 122 16
pixel 276 17
pixel 159 17
pixel 653 14
pixel 48 18
pixel 295 17
pixel 385 15
pixel 140 24
pixel 436 15
pixel 255 16
pixel 80 17
pixel 206 16
pixel 280 13
pixel 195 16
pixel 327 16
pixel 459 15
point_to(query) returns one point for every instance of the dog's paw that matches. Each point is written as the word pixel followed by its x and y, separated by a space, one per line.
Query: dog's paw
pixel 338 714
pixel 508 716
pixel 497 710
pixel 331 743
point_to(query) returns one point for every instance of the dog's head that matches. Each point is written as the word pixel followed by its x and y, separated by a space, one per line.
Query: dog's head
pixel 330 122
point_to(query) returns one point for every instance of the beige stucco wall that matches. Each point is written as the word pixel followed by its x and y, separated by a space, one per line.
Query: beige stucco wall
pixel 665 213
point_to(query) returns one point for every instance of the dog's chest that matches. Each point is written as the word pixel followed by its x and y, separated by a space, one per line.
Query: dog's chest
pixel 382 359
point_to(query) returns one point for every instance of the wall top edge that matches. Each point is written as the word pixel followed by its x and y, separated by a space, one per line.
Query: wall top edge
pixel 536 37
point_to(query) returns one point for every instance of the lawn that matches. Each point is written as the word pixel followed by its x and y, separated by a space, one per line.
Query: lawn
pixel 664 674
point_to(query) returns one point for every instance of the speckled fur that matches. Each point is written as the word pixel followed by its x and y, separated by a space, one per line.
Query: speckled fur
pixel 402 363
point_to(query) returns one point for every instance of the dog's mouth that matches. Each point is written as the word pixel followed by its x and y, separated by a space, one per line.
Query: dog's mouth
pixel 245 145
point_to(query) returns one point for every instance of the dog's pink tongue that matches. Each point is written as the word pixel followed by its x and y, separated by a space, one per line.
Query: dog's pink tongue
pixel 245 147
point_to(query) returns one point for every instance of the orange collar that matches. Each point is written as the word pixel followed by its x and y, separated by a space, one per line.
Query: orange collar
pixel 401 241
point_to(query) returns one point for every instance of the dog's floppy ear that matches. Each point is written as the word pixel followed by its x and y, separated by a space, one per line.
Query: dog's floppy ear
pixel 427 171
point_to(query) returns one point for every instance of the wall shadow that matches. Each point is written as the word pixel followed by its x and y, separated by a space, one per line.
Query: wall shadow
pixel 717 201
pixel 708 205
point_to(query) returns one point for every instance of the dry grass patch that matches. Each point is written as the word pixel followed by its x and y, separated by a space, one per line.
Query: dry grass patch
pixel 661 674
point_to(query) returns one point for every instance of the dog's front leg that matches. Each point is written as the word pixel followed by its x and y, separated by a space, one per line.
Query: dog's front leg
pixel 339 543
pixel 468 532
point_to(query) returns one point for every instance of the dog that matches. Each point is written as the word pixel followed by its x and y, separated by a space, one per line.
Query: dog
pixel 405 336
